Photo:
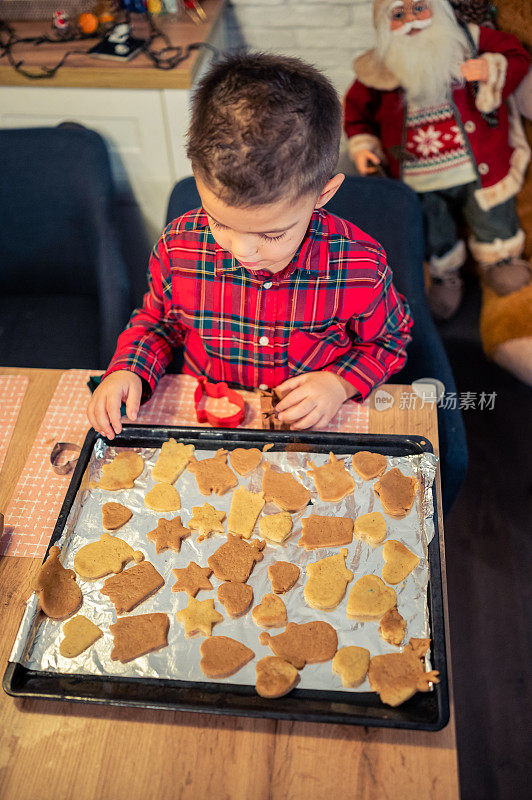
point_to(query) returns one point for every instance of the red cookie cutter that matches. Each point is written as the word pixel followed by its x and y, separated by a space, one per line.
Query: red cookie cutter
pixel 218 390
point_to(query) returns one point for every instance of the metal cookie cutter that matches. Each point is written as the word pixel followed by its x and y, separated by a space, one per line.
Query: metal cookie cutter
pixel 57 456
pixel 218 390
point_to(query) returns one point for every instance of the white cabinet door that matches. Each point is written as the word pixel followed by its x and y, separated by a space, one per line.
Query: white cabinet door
pixel 146 152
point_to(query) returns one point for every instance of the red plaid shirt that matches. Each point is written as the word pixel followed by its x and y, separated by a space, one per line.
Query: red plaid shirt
pixel 333 307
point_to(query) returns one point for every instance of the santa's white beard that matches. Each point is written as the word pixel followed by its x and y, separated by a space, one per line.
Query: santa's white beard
pixel 426 63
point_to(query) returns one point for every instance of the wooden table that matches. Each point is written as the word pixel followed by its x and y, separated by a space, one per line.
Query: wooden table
pixel 69 750
pixel 81 69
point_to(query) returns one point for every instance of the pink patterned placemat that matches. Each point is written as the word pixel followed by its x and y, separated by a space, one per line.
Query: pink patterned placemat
pixel 12 391
pixel 39 494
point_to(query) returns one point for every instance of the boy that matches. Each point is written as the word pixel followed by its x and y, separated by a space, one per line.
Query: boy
pixel 261 286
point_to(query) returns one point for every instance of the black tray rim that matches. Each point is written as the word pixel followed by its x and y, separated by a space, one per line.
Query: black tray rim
pixel 20 682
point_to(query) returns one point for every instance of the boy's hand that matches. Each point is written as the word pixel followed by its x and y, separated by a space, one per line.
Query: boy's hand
pixel 311 400
pixel 103 410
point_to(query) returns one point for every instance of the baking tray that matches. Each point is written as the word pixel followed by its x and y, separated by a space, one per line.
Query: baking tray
pixel 424 711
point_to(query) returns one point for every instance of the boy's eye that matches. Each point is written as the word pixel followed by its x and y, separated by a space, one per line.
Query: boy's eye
pixel 272 238
pixel 261 235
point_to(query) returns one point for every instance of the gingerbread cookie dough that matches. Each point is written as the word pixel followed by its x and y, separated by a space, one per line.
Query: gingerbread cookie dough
pixel 236 597
pixel 244 512
pixel 114 515
pixel 308 643
pixel 371 528
pixel 283 490
pixel 59 594
pixel 370 599
pixel 80 633
pixel 130 588
pixel 163 498
pixel 369 465
pixel 270 613
pixel 222 656
pixel 283 575
pixel 333 481
pixel 399 562
pixel 206 519
pixel 121 472
pixel 351 663
pixel 235 559
pixel 244 460
pixel 327 582
pixel 398 676
pixel 396 492
pixel 172 460
pixel 320 531
pixel 213 474
pixel 109 554
pixel 198 617
pixel 138 635
pixel 191 579
pixel 276 527
pixel 275 676
pixel 168 534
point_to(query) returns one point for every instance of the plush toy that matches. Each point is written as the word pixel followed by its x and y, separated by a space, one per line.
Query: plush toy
pixel 432 103
pixel 506 322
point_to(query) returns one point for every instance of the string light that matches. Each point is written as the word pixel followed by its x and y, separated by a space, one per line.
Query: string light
pixel 167 57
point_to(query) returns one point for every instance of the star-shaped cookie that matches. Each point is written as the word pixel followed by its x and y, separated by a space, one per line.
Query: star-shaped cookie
pixel 206 519
pixel 191 579
pixel 168 534
pixel 198 617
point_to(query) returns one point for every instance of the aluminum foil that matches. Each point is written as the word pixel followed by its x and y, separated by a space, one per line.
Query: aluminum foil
pixel 37 644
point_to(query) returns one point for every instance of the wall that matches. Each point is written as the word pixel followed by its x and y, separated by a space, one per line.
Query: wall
pixel 327 33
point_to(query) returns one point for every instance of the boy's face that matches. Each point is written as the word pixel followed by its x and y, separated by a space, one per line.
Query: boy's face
pixel 259 237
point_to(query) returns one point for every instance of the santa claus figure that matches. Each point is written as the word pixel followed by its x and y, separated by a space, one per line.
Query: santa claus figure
pixel 430 103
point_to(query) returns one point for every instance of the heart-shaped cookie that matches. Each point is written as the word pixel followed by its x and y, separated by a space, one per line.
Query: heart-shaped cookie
pixel 371 528
pixel 222 656
pixel 399 562
pixel 276 527
pixel 114 515
pixel 275 676
pixel 236 597
pixel 270 613
pixel 370 599
pixel 243 460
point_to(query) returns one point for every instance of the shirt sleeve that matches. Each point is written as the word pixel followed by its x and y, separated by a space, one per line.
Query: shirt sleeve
pixel 379 334
pixel 146 346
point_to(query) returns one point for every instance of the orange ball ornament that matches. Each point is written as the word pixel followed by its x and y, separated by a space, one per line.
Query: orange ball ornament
pixel 88 22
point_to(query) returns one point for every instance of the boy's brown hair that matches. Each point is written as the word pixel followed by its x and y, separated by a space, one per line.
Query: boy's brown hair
pixel 264 127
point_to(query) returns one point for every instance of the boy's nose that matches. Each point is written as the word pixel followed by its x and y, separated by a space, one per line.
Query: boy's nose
pixel 243 249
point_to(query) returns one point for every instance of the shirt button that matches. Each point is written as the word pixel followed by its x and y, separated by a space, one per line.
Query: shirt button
pixel 483 169
pixel 263 387
pixel 264 340
pixel 470 126
pixel 267 285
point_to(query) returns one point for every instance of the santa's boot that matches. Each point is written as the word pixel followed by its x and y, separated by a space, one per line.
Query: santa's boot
pixel 446 286
pixel 501 267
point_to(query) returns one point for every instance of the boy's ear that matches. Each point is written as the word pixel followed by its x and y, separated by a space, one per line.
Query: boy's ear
pixel 329 190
